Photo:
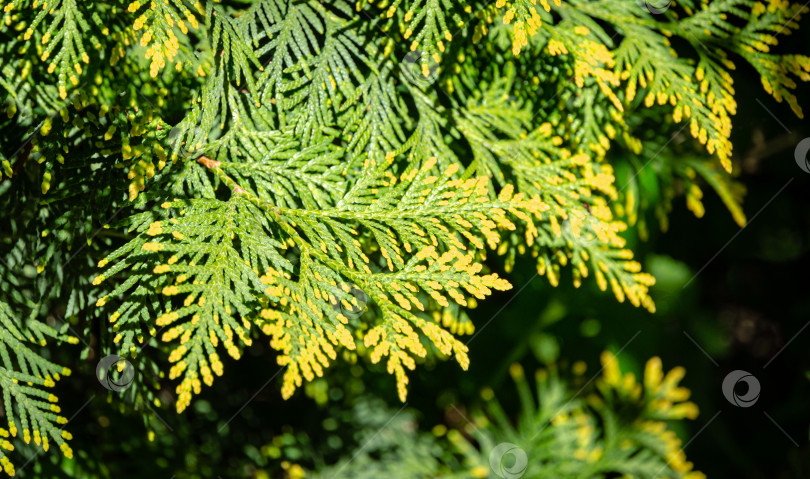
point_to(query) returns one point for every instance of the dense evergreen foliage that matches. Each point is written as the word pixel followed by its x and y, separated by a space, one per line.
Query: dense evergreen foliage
pixel 344 181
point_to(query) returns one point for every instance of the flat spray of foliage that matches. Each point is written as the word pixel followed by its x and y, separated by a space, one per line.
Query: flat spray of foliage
pixel 202 175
